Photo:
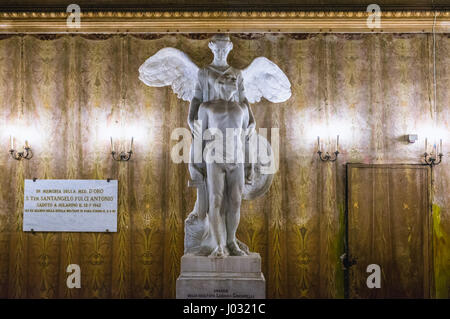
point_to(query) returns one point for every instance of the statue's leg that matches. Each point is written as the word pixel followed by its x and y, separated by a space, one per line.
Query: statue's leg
pixel 216 185
pixel 235 179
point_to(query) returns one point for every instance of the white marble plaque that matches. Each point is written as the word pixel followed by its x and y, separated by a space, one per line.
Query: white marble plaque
pixel 70 205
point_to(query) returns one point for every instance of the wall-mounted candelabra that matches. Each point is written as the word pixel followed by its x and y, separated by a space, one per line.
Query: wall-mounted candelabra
pixel 121 156
pixel 326 156
pixel 27 153
pixel 432 157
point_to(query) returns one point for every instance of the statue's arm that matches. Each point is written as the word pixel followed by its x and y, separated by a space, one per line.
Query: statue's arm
pixel 195 102
pixel 250 129
pixel 193 112
pixel 251 119
pixel 203 117
pixel 195 168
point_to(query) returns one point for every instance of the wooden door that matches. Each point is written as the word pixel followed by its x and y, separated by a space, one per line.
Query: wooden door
pixel 388 224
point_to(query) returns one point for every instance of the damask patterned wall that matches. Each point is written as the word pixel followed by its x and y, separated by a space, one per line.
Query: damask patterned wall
pixel 377 87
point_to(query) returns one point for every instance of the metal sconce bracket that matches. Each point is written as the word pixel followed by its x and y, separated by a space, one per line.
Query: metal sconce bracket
pixel 327 157
pixel 26 154
pixel 431 159
pixel 122 156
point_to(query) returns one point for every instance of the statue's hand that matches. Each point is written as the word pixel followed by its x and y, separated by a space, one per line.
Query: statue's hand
pixel 192 217
pixel 249 175
pixel 250 131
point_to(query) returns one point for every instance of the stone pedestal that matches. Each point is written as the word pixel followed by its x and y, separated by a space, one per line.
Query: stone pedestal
pixel 221 278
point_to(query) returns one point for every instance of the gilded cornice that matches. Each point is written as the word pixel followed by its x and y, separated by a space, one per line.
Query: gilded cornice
pixel 223 21
pixel 226 14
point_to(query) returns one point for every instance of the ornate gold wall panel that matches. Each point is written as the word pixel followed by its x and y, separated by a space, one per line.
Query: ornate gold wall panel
pixel 378 85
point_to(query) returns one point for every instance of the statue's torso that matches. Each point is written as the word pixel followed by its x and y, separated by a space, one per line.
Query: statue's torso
pixel 220 84
pixel 225 114
pixel 222 107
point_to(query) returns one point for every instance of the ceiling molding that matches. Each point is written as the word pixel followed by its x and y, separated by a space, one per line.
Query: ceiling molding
pixel 223 21
pixel 222 5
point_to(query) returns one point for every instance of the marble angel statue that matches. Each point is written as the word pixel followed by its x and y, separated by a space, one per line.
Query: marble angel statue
pixel 219 97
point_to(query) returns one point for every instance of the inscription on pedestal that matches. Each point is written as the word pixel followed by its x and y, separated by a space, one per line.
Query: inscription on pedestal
pixel 221 294
pixel 221 278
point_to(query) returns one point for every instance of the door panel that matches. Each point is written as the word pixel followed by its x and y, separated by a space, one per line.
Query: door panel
pixel 388 213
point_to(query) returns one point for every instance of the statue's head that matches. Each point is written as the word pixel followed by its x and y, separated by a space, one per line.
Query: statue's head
pixel 220 45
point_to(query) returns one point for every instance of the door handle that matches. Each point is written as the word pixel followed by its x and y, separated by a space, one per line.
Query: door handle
pixel 347 261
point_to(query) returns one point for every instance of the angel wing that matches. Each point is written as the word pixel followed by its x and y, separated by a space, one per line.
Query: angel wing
pixel 263 78
pixel 170 66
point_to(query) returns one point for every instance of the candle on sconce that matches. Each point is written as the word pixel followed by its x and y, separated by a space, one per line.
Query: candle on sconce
pixel 11 142
pixel 131 145
pixel 426 144
pixel 26 144
pixel 435 149
pixel 318 144
pixel 440 142
pixel 337 142
pixel 112 145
